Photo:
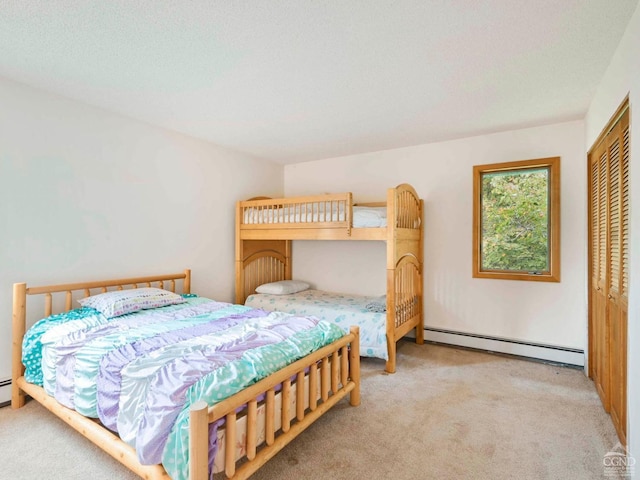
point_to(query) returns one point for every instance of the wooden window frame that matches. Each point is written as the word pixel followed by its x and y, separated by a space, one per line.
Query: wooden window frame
pixel 553 274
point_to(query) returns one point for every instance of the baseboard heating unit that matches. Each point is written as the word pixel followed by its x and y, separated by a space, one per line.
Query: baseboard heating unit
pixel 5 392
pixel 570 356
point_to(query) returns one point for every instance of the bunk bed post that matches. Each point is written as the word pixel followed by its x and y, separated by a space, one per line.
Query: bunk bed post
pixel 19 328
pixel 239 258
pixel 245 248
pixel 354 367
pixel 391 280
pixel 349 213
pixel 288 267
pixel 186 285
pixel 420 326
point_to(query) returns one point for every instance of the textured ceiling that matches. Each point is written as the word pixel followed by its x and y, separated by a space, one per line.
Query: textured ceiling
pixel 299 80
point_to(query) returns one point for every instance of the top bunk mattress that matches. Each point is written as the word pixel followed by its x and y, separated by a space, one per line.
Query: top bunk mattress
pixel 342 309
pixel 363 217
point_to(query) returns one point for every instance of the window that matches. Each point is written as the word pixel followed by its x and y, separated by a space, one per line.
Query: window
pixel 516 220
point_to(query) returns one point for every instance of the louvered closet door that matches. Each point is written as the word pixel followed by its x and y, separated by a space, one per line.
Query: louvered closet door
pixel 599 173
pixel 609 267
pixel 618 271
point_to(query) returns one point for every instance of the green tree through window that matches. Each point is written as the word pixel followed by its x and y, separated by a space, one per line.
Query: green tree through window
pixel 516 220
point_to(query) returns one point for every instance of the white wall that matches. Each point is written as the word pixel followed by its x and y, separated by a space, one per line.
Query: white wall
pixel 622 78
pixel 549 313
pixel 87 194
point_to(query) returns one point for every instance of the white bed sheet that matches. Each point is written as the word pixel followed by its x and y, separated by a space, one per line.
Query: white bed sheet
pixel 341 309
pixel 363 217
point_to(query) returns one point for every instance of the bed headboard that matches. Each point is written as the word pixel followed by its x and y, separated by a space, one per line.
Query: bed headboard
pixel 69 291
pixel 407 206
pixel 261 261
pixel 167 282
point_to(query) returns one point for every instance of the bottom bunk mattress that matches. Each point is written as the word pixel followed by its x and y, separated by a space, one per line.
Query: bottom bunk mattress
pixel 341 309
pixel 139 373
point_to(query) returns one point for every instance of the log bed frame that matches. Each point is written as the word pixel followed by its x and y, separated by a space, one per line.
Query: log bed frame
pixel 335 367
pixel 263 248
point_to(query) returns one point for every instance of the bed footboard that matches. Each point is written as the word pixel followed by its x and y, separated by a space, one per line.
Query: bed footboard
pixel 404 305
pixel 335 368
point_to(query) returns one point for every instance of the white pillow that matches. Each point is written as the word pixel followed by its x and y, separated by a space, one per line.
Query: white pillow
pixel 121 302
pixel 283 287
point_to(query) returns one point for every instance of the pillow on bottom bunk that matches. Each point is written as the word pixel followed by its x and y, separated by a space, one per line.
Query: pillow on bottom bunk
pixel 283 287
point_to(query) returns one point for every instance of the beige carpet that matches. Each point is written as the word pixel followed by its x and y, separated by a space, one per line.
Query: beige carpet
pixel 446 414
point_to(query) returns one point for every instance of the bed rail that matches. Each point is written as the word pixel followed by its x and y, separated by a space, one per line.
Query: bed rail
pixel 325 217
pixel 319 211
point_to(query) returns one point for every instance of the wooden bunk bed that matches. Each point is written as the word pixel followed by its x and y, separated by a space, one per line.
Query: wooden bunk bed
pixel 276 404
pixel 265 228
